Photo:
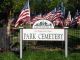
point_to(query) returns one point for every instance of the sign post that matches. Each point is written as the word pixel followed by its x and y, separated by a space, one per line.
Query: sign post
pixel 21 30
pixel 66 41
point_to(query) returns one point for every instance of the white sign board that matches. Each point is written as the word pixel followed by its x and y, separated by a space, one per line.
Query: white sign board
pixel 43 34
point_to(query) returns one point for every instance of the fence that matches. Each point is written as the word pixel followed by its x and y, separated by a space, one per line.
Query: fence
pixel 4 39
pixel 73 40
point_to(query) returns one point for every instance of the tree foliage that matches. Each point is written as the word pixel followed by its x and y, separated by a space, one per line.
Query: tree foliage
pixel 17 6
pixel 12 8
pixel 42 6
pixel 72 5
pixel 5 7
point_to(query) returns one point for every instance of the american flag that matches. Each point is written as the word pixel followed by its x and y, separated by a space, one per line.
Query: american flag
pixel 57 13
pixel 69 16
pixel 77 17
pixel 68 21
pixel 24 16
pixel 36 18
pixel 50 15
pixel 78 21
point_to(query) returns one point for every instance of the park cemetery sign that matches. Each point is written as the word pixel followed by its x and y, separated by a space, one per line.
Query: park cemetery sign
pixel 43 34
pixel 43 30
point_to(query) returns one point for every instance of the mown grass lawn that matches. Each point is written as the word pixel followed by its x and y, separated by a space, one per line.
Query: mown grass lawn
pixel 39 55
pixel 45 55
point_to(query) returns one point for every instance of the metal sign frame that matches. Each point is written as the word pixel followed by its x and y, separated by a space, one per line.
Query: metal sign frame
pixel 65 39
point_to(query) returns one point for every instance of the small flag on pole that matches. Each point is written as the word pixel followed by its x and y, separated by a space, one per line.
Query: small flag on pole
pixel 69 16
pixel 24 16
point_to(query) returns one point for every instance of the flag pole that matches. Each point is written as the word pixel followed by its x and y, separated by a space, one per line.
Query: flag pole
pixel 29 19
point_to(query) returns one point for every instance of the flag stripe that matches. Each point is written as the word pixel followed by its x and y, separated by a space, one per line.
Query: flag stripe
pixel 24 16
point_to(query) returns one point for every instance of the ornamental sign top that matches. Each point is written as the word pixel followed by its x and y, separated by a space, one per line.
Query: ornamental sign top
pixel 42 24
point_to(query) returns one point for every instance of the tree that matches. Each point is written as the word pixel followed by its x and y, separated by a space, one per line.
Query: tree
pixel 72 5
pixel 5 7
pixel 42 6
pixel 17 7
